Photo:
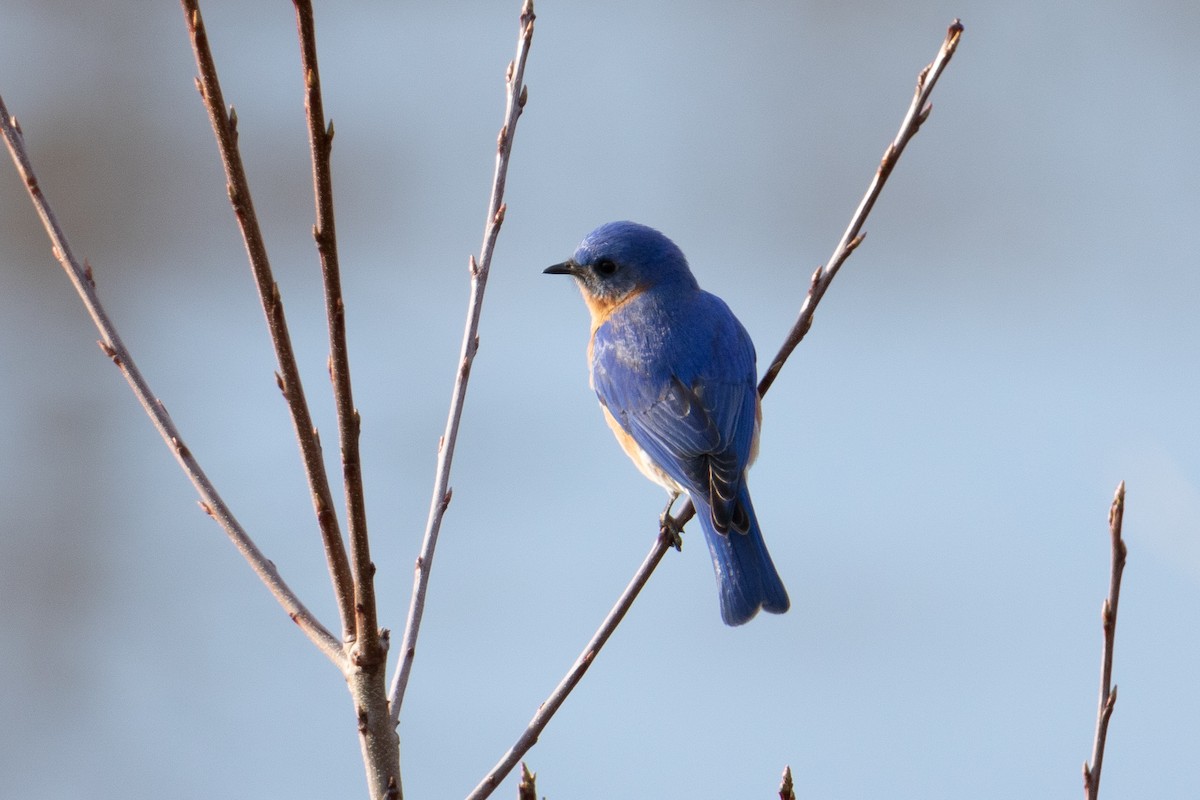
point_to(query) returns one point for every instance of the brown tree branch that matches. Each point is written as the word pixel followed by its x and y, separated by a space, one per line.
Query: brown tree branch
pixel 1108 618
pixel 367 646
pixel 917 113
pixel 515 103
pixel 551 704
pixel 822 277
pixel 366 676
pixel 224 125
pixel 110 342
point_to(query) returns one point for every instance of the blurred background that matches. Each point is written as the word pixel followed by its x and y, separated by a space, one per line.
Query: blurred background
pixel 1017 334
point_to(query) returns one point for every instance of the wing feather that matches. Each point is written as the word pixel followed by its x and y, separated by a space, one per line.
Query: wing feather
pixel 688 398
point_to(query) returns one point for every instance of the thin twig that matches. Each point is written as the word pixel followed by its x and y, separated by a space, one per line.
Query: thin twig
pixel 224 125
pixel 515 103
pixel 1108 617
pixel 917 114
pixel 112 345
pixel 320 137
pixel 367 678
pixel 551 704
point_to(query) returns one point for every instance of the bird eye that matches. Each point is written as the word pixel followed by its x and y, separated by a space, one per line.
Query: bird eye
pixel 606 266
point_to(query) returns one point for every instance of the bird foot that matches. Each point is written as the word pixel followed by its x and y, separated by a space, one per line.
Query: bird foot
pixel 670 530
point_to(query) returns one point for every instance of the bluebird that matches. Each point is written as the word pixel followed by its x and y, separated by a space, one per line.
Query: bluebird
pixel 675 374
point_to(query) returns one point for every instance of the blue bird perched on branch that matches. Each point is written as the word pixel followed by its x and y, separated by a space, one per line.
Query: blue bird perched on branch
pixel 675 374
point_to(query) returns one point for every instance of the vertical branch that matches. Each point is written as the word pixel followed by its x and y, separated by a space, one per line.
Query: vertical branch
pixel 224 125
pixel 1108 617
pixel 515 103
pixel 918 112
pixel 320 137
pixel 113 347
pixel 366 674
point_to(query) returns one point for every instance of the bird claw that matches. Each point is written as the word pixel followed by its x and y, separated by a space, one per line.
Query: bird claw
pixel 670 530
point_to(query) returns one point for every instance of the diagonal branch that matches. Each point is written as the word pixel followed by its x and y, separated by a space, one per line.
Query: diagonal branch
pixel 1108 617
pixel 918 112
pixel 515 103
pixel 551 704
pixel 320 138
pixel 225 127
pixel 114 348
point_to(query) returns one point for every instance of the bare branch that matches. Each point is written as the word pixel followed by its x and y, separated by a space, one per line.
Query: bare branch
pixel 821 279
pixel 551 704
pixel 516 97
pixel 366 679
pixel 112 345
pixel 918 112
pixel 320 138
pixel 225 127
pixel 1108 617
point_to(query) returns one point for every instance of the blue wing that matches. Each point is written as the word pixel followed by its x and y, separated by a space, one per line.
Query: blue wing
pixel 681 381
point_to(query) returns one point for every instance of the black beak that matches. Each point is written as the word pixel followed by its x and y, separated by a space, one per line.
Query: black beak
pixel 565 268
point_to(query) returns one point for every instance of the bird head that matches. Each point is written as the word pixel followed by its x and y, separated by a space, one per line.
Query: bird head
pixel 620 260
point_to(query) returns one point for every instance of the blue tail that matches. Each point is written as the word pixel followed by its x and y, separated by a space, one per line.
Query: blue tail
pixel 746 577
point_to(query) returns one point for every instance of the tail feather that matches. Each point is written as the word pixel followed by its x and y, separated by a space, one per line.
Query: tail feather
pixel 746 577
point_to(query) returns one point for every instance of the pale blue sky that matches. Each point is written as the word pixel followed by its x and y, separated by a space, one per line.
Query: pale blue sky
pixel 1017 334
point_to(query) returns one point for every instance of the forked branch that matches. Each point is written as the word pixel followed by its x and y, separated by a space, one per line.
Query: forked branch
pixel 110 342
pixel 224 124
pixel 320 137
pixel 366 674
pixel 917 113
